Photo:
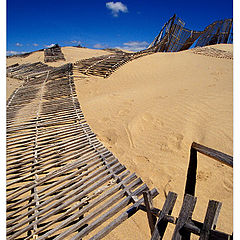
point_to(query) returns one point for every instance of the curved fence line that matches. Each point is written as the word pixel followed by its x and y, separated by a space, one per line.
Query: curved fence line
pixel 62 183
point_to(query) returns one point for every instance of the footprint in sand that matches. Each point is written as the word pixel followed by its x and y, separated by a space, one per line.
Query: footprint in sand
pixel 110 136
pixel 147 117
pixel 125 109
pixel 123 112
pixel 203 175
pixel 212 85
pixel 105 119
pixel 175 141
pixel 114 95
pixel 162 97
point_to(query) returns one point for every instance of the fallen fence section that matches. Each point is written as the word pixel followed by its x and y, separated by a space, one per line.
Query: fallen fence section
pixel 105 65
pixel 212 52
pixel 62 183
pixel 174 37
pixel 184 224
pixel 53 54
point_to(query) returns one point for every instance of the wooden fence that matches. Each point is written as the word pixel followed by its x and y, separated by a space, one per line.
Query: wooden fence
pixel 62 183
pixel 53 54
pixel 105 65
pixel 184 224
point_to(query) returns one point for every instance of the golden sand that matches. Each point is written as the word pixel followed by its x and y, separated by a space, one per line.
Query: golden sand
pixel 149 112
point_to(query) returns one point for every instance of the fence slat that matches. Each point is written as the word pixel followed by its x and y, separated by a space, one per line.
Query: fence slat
pixel 210 220
pixel 184 216
pixel 167 209
pixel 149 206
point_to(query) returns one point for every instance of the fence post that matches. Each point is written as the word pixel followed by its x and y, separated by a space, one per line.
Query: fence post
pixel 149 206
pixel 210 220
pixel 161 225
pixel 184 217
pixel 192 173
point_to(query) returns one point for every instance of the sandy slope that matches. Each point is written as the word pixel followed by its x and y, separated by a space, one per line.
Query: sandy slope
pixel 71 54
pixel 150 111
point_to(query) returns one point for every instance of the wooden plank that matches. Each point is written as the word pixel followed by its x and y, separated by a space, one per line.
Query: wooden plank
pixel 184 216
pixel 217 235
pixel 217 155
pixel 161 225
pixel 149 206
pixel 210 220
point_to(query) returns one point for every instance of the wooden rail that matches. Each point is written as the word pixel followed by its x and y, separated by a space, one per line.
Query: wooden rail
pixel 62 183
pixel 184 224
pixel 192 167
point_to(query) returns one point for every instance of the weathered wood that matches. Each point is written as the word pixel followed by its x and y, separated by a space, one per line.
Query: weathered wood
pixel 184 216
pixel 124 216
pixel 217 155
pixel 149 206
pixel 60 203
pixel 216 235
pixel 192 167
pixel 94 203
pixel 108 214
pixel 210 220
pixel 55 163
pixel 161 225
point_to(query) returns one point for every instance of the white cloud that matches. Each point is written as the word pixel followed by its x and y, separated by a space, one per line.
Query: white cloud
pixel 9 53
pixel 98 45
pixel 19 44
pixel 116 8
pixel 134 46
pixel 35 44
pixel 49 46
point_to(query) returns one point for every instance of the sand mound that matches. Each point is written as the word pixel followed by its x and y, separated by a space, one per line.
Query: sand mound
pixel 71 54
pixel 150 111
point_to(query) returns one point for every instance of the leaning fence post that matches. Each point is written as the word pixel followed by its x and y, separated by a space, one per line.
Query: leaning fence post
pixel 149 206
pixel 210 220
pixel 161 225
pixel 184 217
pixel 192 173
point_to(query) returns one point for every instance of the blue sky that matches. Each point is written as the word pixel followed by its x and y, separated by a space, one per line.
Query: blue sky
pixel 133 24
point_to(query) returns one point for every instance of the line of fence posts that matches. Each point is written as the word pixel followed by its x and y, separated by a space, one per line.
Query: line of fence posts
pixel 184 224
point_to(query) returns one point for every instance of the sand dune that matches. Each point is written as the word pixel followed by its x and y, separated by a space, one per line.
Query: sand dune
pixel 71 54
pixel 149 112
